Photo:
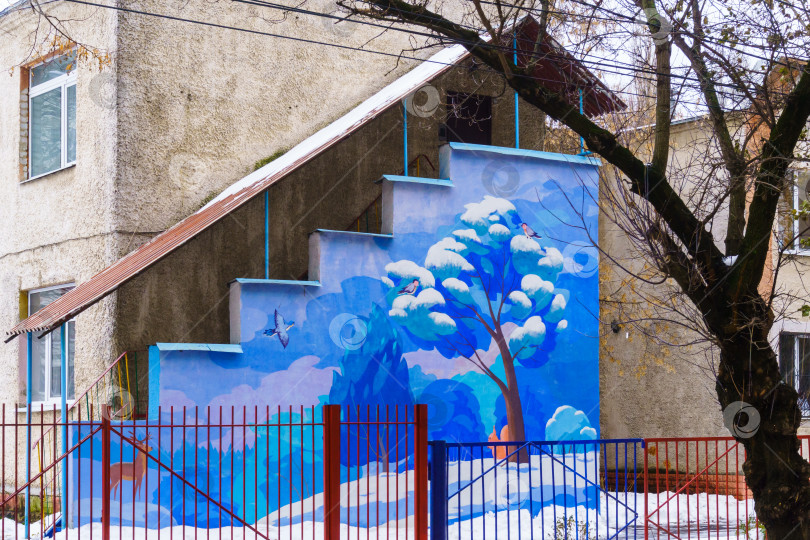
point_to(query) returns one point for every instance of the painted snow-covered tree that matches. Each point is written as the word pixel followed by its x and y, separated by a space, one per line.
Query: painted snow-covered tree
pixel 486 290
pixel 372 383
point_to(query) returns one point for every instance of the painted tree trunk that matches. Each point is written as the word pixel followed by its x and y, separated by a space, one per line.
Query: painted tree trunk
pixel 511 398
pixel 514 412
pixel 779 478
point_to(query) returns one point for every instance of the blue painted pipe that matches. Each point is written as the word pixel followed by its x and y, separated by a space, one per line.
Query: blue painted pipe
pixel 64 353
pixel 517 112
pixel 405 133
pixel 28 376
pixel 267 234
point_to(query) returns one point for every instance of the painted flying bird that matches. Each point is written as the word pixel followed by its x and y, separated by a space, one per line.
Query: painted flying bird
pixel 280 330
pixel 529 232
pixel 410 288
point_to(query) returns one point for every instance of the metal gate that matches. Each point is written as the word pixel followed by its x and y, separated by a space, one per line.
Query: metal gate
pixel 536 489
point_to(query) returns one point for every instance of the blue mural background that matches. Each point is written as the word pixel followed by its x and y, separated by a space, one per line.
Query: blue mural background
pixel 343 350
pixel 492 324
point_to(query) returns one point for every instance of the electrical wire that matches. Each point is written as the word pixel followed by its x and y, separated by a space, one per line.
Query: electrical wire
pixel 351 48
pixel 600 62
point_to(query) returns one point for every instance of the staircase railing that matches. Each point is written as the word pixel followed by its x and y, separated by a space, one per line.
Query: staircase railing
pixel 113 387
pixel 370 220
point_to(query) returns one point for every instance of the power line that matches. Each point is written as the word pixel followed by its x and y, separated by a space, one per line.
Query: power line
pixel 336 45
pixel 602 64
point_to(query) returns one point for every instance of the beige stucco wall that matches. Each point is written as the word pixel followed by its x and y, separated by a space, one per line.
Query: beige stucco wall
pixel 58 228
pixel 648 388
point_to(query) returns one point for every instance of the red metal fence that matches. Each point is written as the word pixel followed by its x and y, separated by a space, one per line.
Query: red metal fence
pixel 695 488
pixel 327 472
pixel 319 473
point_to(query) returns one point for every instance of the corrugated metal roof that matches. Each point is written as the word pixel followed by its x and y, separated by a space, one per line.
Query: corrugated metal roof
pixel 108 280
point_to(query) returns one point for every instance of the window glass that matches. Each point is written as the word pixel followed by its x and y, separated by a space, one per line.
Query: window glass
pixel 71 123
pixel 39 360
pixel 46 132
pixel 57 67
pixel 803 375
pixel 802 227
pixel 52 115
pixel 794 366
pixel 46 359
pixel 787 353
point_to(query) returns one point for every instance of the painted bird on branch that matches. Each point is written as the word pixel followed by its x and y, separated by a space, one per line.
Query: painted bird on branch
pixel 529 232
pixel 280 330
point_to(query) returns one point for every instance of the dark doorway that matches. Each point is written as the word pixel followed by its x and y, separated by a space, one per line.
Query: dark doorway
pixel 469 118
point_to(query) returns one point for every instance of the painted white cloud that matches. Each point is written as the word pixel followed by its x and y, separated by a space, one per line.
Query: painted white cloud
pixel 300 384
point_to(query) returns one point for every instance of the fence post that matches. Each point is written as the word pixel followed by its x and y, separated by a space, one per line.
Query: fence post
pixel 331 472
pixel 421 472
pixel 105 472
pixel 646 490
pixel 438 490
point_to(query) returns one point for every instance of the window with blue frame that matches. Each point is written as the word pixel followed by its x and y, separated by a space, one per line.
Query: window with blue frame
pixel 46 351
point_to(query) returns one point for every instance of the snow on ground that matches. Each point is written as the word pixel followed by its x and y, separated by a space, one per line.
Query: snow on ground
pixel 487 498
pixel 695 516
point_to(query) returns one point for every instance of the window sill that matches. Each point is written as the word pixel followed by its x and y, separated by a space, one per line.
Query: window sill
pixel 798 252
pixel 43 175
pixel 46 406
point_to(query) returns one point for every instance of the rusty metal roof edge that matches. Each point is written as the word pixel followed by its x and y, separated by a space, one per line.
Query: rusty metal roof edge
pixel 91 291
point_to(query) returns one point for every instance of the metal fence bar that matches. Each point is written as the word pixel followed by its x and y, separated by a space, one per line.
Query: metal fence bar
pixel 331 472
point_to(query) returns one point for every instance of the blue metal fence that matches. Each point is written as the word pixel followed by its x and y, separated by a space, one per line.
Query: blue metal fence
pixel 578 490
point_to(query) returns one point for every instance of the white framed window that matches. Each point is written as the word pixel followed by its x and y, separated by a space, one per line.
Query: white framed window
pixel 796 231
pixel 46 359
pixel 52 115
pixel 794 365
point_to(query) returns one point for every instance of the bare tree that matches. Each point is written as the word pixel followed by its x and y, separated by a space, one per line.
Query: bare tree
pixel 742 65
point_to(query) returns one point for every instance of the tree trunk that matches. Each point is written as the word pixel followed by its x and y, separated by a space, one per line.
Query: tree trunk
pixel 777 475
pixel 514 411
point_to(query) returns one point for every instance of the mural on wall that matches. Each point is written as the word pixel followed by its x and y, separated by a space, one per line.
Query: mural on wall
pixel 482 304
